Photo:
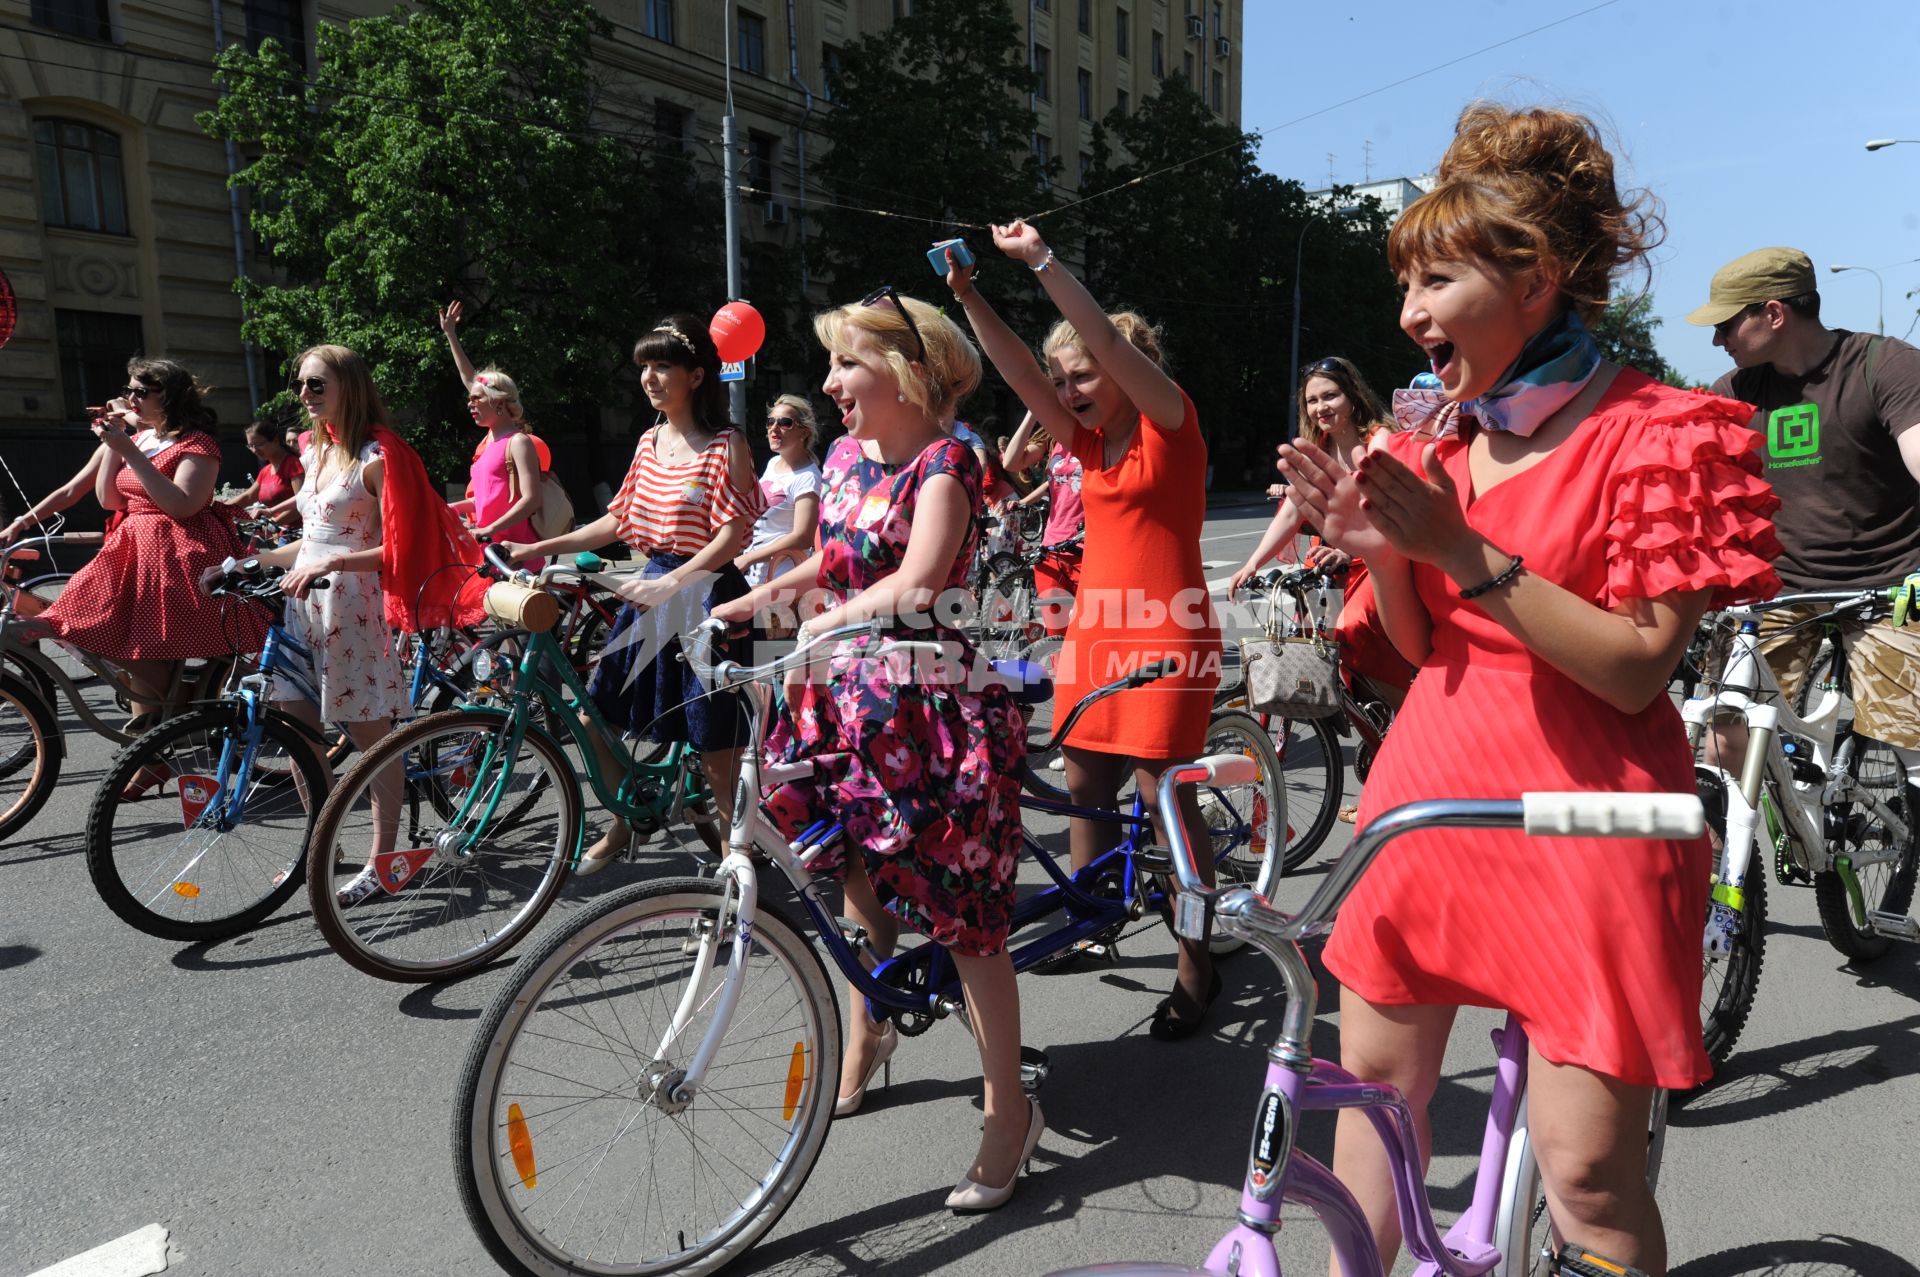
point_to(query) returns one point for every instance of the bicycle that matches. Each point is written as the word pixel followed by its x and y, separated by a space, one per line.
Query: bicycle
pixel 1813 790
pixel 685 1030
pixel 1297 601
pixel 34 681
pixel 1013 619
pixel 491 821
pixel 1501 1232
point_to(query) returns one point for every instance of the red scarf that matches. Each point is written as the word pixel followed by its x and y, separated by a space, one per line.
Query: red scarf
pixel 427 556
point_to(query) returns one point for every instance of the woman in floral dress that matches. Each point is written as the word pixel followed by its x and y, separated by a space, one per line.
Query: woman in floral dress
pixel 920 769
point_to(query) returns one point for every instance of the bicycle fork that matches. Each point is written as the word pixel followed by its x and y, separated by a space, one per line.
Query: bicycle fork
pixel 732 924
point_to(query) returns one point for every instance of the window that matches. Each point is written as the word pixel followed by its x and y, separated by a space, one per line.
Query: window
pixel 760 152
pixel 1123 102
pixel 1219 20
pixel 751 43
pixel 1085 17
pixel 1086 166
pixel 80 183
pixel 87 18
pixel 1120 20
pixel 1044 6
pixel 831 58
pixel 94 349
pixel 1084 78
pixel 1189 69
pixel 902 9
pixel 279 20
pixel 1043 148
pixel 670 121
pixel 1159 56
pixel 1219 92
pixel 658 20
pixel 1043 67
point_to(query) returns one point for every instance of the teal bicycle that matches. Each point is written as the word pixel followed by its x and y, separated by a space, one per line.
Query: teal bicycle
pixel 446 843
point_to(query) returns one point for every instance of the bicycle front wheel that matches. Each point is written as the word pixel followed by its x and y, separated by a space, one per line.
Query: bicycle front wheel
pixel 438 851
pixel 573 1155
pixel 215 843
pixel 31 751
pixel 1246 822
pixel 1729 984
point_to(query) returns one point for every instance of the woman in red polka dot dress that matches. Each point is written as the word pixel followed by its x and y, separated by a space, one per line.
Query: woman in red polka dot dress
pixel 137 604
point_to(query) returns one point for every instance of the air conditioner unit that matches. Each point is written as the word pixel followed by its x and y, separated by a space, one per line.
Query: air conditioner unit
pixel 1196 27
pixel 1223 47
pixel 775 213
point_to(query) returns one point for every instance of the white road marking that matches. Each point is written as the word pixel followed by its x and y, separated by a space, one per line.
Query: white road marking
pixel 139 1253
pixel 1235 536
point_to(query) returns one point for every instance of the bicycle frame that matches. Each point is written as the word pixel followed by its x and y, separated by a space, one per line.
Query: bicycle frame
pixel 1297 1083
pixel 1767 795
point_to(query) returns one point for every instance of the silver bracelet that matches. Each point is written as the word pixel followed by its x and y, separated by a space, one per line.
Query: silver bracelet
pixel 1045 262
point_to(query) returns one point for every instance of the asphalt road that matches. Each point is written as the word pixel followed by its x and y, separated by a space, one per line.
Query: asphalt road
pixel 278 1113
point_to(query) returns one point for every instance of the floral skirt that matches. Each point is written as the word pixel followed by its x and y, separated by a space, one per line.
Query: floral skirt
pixel 924 779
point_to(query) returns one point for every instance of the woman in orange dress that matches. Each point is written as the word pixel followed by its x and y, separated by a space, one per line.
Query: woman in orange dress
pixel 1143 595
pixel 1543 548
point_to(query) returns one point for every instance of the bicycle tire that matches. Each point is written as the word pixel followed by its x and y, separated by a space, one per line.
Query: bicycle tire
pixel 999 628
pixel 1258 860
pixel 30 741
pixel 586 1064
pixel 474 892
pixel 1314 772
pixel 163 871
pixel 1726 1003
pixel 1885 886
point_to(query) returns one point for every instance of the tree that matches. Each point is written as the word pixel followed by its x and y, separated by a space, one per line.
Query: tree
pixel 457 149
pixel 931 121
pixel 1625 334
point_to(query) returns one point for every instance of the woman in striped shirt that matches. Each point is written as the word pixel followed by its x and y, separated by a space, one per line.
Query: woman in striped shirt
pixel 686 506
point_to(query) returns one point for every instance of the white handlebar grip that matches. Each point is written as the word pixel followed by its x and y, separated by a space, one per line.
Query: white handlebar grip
pixel 1605 815
pixel 1230 769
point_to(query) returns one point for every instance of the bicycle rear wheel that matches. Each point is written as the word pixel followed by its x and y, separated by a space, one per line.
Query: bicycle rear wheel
pixel 571 1154
pixel 1883 866
pixel 31 749
pixel 1313 772
pixel 463 854
pixel 223 849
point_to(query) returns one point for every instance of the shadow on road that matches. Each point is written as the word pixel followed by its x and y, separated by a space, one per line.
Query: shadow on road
pixel 1796 1075
pixel 441 999
pixel 17 955
pixel 267 945
pixel 1828 1255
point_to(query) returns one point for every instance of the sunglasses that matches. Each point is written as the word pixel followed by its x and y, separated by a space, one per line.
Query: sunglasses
pixel 782 423
pixel 1323 365
pixel 1725 326
pixel 134 394
pixel 312 385
pixel 886 293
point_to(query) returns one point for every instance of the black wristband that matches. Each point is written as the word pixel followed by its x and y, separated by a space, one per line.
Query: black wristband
pixel 1494 582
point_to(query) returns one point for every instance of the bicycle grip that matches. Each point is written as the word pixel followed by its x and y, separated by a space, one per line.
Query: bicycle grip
pixel 1611 815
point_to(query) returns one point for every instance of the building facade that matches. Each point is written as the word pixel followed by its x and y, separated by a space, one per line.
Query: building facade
pixel 119 234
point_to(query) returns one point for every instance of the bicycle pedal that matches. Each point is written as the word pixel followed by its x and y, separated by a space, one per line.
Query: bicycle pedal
pixel 1894 926
pixel 1034 1067
pixel 1577 1261
pixel 1153 860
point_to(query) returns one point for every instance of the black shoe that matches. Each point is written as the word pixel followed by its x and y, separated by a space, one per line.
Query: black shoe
pixel 1167 1026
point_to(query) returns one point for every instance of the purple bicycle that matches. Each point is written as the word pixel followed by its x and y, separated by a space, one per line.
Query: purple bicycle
pixel 1505 1232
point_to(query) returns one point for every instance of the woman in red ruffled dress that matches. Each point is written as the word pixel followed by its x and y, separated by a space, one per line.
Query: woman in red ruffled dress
pixel 1542 548
pixel 136 603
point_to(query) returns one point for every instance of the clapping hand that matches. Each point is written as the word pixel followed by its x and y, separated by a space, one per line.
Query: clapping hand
pixel 1328 497
pixel 1418 512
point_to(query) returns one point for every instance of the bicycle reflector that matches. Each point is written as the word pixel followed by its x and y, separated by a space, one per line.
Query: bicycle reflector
pixel 186 890
pixel 796 1078
pixel 521 1142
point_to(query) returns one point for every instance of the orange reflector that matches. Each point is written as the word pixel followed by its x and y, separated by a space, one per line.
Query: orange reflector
pixel 521 1142
pixel 796 1076
pixel 1260 824
pixel 187 889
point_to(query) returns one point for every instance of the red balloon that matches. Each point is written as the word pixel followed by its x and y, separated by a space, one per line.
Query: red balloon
pixel 737 331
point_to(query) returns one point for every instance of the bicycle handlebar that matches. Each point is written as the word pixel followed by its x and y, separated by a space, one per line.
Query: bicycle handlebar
pixel 1540 815
pixel 251 579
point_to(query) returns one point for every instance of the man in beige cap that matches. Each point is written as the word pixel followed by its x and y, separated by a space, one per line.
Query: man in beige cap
pixel 1840 412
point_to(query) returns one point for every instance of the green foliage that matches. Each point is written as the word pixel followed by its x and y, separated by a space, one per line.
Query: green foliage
pixel 449 150
pixel 1209 251
pixel 1625 334
pixel 930 119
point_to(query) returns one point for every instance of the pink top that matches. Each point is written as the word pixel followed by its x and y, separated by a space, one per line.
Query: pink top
pixel 1065 514
pixel 493 495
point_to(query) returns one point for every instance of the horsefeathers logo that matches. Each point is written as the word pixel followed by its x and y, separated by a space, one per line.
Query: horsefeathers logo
pixel 1793 436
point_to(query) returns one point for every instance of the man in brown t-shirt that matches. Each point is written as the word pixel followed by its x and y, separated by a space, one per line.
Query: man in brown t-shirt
pixel 1841 415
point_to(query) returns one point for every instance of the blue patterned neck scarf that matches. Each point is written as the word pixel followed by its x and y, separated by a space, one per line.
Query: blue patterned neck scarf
pixel 1553 367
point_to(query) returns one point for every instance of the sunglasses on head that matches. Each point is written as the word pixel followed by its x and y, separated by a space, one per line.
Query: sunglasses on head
pixel 886 293
pixel 134 394
pixel 1323 365
pixel 312 385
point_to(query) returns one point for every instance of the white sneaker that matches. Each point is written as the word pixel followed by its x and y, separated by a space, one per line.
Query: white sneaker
pixel 1057 764
pixel 362 885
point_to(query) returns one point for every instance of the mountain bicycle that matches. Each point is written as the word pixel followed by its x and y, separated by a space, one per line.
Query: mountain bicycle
pixel 1506 1230
pixel 1835 808
pixel 653 1086
pixel 451 873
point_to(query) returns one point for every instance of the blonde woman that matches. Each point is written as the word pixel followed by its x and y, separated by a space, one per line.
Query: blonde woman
pixel 783 534
pixel 503 486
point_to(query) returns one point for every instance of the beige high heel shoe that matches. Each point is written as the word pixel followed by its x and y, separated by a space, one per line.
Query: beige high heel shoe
pixel 968 1197
pixel 591 864
pixel 847 1105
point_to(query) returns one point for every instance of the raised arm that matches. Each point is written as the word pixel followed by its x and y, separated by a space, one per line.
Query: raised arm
pixel 450 325
pixel 1016 364
pixel 1150 389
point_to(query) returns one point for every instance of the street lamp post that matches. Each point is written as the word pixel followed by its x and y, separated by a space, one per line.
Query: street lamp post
pixel 1880 287
pixel 1882 143
pixel 1293 363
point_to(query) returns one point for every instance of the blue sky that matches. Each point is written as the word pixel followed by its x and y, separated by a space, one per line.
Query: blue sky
pixel 1748 120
